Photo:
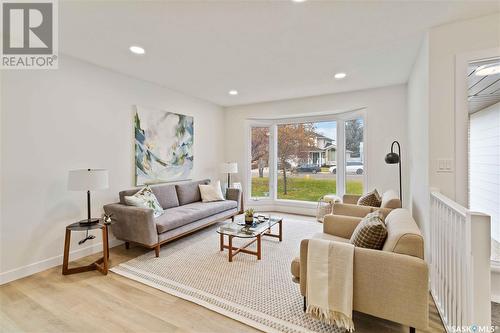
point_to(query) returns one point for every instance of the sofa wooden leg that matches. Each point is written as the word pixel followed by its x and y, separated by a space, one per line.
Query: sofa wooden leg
pixel 157 250
pixel 305 304
pixel 412 329
pixel 127 245
pixel 232 218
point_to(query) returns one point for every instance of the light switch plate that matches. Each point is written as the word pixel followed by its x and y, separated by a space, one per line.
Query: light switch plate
pixel 444 165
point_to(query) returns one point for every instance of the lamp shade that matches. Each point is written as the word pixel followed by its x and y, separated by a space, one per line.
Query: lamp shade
pixel 88 179
pixel 229 167
pixel 392 158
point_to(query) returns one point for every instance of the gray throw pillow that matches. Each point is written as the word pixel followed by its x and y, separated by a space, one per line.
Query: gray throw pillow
pixel 370 233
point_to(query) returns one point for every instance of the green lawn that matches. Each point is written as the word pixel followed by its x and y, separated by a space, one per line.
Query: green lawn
pixel 307 189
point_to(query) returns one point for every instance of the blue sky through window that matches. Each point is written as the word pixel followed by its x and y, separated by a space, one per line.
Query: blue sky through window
pixel 327 128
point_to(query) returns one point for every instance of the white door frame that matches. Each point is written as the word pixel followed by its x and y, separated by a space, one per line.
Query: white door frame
pixel 462 61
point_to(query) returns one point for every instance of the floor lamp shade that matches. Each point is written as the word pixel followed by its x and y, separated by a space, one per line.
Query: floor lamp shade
pixel 88 180
pixel 229 168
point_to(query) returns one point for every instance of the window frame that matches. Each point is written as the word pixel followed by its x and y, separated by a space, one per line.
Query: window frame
pixel 272 123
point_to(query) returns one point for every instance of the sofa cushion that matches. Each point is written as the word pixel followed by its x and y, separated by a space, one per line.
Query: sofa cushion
pixel 403 234
pixel 189 192
pixel 372 199
pixel 390 199
pixel 182 215
pixel 211 192
pixel 145 198
pixel 370 233
pixel 166 195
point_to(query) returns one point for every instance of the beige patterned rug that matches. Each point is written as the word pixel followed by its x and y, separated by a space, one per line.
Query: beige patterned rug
pixel 259 293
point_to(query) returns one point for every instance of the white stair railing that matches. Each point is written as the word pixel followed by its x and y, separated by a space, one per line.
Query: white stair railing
pixel 459 263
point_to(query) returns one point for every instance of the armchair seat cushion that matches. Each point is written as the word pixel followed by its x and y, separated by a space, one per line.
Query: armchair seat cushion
pixel 182 215
pixel 322 235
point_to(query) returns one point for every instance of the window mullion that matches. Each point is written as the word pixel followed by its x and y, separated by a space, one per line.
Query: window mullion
pixel 340 157
pixel 273 165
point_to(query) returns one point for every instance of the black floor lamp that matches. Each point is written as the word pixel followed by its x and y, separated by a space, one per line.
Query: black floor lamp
pixel 393 158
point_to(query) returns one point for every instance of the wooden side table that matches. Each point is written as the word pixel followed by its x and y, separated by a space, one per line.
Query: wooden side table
pixel 100 264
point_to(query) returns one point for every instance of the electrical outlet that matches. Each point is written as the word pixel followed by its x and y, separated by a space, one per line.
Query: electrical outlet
pixel 444 165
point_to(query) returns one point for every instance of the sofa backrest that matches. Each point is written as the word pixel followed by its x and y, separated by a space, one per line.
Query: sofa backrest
pixel 403 234
pixel 390 199
pixel 189 192
pixel 165 193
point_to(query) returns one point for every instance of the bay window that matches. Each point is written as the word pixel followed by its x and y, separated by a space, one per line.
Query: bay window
pixel 304 158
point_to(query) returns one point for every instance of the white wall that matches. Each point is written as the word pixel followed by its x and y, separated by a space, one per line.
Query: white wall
pixel 432 106
pixel 78 116
pixel 418 138
pixel 446 42
pixel 385 122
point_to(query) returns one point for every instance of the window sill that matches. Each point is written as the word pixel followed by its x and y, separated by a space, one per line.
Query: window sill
pixel 282 202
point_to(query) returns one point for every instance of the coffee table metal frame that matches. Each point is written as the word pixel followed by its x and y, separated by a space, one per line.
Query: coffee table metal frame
pixel 257 237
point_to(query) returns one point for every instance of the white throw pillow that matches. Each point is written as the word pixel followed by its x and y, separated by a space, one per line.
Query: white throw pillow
pixel 145 198
pixel 211 192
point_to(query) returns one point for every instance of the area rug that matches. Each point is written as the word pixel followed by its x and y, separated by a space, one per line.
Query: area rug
pixel 259 293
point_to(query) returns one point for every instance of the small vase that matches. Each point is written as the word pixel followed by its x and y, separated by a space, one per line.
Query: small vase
pixel 248 220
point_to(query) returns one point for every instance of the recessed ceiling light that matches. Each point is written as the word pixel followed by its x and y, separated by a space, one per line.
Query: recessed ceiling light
pixel 299 0
pixel 137 49
pixel 233 92
pixel 490 69
pixel 339 76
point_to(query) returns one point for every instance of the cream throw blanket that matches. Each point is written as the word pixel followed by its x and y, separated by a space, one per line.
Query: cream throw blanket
pixel 330 282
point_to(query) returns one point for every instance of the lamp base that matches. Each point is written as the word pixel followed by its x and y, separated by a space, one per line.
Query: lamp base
pixel 89 221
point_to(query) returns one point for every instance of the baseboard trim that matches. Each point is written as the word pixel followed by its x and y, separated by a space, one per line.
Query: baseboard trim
pixel 42 265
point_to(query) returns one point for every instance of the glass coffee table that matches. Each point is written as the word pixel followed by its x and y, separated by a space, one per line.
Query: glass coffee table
pixel 253 232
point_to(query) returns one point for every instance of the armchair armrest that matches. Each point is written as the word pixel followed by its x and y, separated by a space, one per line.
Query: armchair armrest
pixel 133 224
pixel 350 198
pixel 392 286
pixel 340 225
pixel 235 195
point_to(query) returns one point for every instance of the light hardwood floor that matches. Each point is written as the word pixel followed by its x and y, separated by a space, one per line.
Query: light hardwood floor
pixel 90 302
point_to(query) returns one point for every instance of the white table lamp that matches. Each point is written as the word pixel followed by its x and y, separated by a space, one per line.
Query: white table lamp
pixel 88 180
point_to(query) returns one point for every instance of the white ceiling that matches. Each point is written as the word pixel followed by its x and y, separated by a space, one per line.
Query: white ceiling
pixel 267 50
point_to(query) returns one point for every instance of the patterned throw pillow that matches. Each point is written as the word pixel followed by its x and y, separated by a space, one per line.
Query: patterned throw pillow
pixel 145 198
pixel 370 233
pixel 372 199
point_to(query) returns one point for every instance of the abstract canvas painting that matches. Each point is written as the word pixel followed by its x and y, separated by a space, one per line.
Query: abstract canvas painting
pixel 163 146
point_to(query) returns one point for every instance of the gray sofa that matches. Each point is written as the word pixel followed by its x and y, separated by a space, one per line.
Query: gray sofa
pixel 184 214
